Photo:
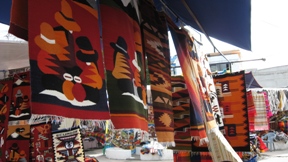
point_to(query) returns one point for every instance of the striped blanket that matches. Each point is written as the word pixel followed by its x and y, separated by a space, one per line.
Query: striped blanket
pixel 261 120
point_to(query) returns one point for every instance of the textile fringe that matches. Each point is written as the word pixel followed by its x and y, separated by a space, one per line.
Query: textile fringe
pixel 67 123
pixel 202 141
pixel 168 144
pixel 195 138
pixel 221 150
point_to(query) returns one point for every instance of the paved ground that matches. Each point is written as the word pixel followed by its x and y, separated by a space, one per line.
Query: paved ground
pixel 98 153
pixel 269 156
pixel 274 156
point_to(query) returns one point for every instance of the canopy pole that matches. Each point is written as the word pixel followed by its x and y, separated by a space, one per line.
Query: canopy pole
pixel 202 29
pixel 178 18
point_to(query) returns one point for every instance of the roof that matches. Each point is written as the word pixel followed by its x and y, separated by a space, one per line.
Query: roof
pixel 250 81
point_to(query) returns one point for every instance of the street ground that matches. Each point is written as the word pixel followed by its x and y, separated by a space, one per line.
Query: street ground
pixel 269 156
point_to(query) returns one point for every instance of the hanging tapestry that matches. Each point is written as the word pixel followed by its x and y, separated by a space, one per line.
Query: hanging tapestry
pixel 260 120
pixel 208 86
pixel 188 60
pixel 267 104
pixel 41 142
pixel 18 143
pixel 182 156
pixel 19 19
pixel 231 92
pixel 251 111
pixel 124 62
pixel 156 49
pixel 67 72
pixel 20 108
pixel 5 100
pixel 201 111
pixel 151 124
pixel 201 157
pixel 181 111
pixel 68 145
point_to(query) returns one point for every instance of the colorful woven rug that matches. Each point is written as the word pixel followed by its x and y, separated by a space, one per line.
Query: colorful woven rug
pixel 156 49
pixel 68 145
pixel 267 104
pixel 251 111
pixel 41 142
pixel 188 60
pixel 20 108
pixel 231 92
pixel 201 157
pixel 182 156
pixel 5 100
pixel 100 137
pixel 201 111
pixel 67 72
pixel 124 62
pixel 209 86
pixel 181 111
pixel 260 120
pixel 18 143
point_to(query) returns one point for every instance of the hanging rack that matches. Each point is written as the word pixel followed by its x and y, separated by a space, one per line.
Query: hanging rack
pixel 178 18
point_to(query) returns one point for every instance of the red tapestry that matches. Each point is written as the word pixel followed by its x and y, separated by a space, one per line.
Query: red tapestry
pixel 41 143
pixel 201 157
pixel 67 72
pixel 231 92
pixel 18 143
pixel 68 145
pixel 156 49
pixel 181 111
pixel 20 108
pixel 189 62
pixel 124 61
pixel 19 19
pixel 5 100
pixel 251 110
pixel 182 156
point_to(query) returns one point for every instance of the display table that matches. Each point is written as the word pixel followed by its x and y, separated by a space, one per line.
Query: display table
pixel 138 150
pixel 280 145
pixel 90 143
pixel 117 153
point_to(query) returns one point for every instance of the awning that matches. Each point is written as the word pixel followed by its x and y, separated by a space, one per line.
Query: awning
pixel 225 20
pixel 250 81
pixel 5 7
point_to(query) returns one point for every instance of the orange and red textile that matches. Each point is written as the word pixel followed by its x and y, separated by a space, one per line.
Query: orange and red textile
pixel 251 110
pixel 231 92
pixel 124 62
pixel 182 156
pixel 67 71
pixel 41 142
pixel 20 108
pixel 181 111
pixel 156 49
pixel 17 143
pixel 5 102
pixel 195 81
